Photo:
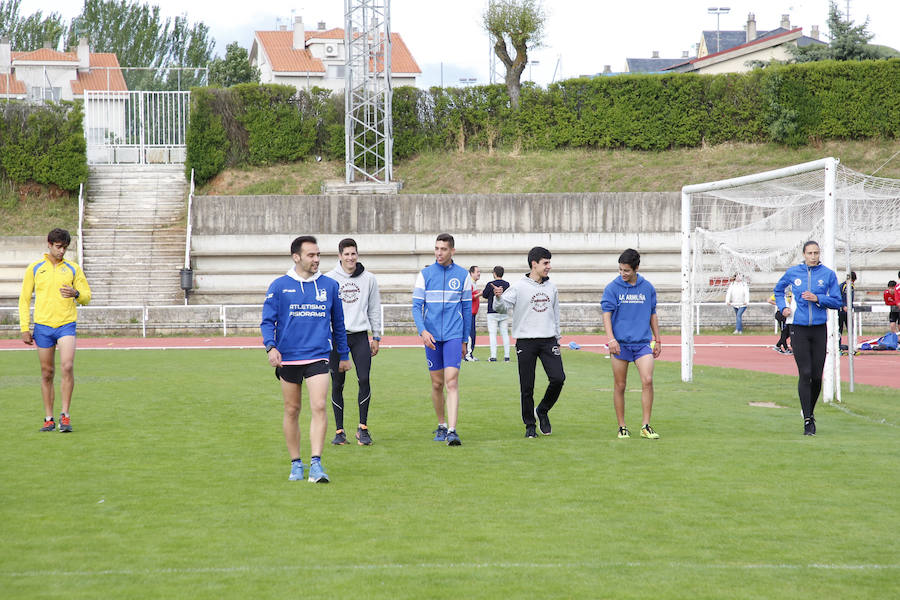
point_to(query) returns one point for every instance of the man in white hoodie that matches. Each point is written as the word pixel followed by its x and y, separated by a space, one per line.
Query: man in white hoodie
pixel 534 301
pixel 362 312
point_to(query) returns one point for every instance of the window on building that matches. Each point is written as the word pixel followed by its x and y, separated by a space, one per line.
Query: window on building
pixel 335 71
pixel 45 94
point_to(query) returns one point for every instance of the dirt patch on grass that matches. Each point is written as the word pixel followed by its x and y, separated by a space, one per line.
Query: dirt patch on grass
pixel 766 405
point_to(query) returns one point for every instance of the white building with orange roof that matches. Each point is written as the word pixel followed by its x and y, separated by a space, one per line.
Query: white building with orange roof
pixel 315 58
pixel 47 74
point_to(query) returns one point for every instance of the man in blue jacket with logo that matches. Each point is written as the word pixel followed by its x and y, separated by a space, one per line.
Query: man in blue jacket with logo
pixel 442 310
pixel 815 288
pixel 301 316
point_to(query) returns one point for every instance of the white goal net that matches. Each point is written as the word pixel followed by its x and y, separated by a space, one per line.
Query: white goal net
pixel 756 226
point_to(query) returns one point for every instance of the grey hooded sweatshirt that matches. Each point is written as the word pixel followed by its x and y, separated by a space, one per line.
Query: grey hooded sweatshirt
pixel 535 308
pixel 360 298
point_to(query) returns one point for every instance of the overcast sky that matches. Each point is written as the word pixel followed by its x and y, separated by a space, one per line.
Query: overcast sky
pixel 581 35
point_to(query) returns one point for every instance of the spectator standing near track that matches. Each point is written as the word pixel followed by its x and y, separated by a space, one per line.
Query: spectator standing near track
pixel 738 298
pixel 301 316
pixel 815 290
pixel 842 313
pixel 892 299
pixel 59 285
pixel 630 320
pixel 496 320
pixel 361 302
pixel 442 309
pixel 534 301
pixel 784 323
pixel 475 275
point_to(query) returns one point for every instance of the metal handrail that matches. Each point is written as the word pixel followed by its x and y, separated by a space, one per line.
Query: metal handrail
pixel 80 225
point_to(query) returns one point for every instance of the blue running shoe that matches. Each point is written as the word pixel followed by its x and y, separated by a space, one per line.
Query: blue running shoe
pixel 440 434
pixel 453 439
pixel 296 471
pixel 316 473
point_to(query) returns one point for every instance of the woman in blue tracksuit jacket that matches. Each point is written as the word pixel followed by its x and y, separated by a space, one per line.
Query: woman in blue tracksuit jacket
pixel 815 288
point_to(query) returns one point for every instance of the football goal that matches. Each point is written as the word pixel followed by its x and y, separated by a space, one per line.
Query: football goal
pixel 756 226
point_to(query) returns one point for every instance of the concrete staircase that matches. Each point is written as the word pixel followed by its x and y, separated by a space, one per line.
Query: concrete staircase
pixel 134 234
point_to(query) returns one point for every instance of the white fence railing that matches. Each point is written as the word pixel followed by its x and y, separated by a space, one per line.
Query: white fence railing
pixel 230 318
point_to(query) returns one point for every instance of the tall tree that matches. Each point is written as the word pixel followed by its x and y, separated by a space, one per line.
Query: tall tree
pixel 32 32
pixel 234 68
pixel 139 37
pixel 516 23
pixel 848 41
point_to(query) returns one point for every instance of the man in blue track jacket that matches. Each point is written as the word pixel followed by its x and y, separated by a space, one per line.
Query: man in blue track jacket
pixel 301 316
pixel 442 310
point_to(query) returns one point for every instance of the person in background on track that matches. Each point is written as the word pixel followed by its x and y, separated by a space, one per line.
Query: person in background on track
pixel 842 313
pixel 784 323
pixel 475 275
pixel 495 319
pixel 738 298
pixel 815 290
pixel 891 298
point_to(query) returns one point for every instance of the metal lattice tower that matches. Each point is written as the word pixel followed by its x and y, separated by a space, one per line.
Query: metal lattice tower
pixel 367 97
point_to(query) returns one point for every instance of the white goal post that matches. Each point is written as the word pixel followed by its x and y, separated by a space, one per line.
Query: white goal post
pixel 757 223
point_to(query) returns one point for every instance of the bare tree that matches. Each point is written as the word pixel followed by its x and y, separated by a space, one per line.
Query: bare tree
pixel 519 23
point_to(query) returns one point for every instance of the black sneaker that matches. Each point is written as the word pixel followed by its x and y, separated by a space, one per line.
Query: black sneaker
pixel 543 422
pixel 340 438
pixel 362 437
pixel 812 424
pixel 530 432
pixel 492 359
pixel 49 425
pixel 506 359
pixel 809 426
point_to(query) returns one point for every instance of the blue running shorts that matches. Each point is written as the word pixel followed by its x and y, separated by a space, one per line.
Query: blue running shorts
pixel 46 337
pixel 445 354
pixel 632 352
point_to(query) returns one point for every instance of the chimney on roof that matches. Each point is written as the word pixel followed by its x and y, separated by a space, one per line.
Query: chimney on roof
pixel 84 55
pixel 607 69
pixel 786 21
pixel 751 27
pixel 814 32
pixel 299 34
pixel 321 25
pixel 655 54
pixel 5 56
pixel 684 54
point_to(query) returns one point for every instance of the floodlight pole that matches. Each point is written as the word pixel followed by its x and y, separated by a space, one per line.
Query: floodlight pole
pixel 368 126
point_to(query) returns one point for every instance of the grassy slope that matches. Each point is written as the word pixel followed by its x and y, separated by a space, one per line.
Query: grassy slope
pixel 174 485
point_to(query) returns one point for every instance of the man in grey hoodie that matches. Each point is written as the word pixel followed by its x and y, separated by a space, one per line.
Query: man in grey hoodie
pixel 362 312
pixel 534 301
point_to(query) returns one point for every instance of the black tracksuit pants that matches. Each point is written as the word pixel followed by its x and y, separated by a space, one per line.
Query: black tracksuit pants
pixel 528 350
pixel 809 345
pixel 362 364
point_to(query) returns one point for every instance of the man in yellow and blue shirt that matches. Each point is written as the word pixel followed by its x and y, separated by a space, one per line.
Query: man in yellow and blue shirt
pixel 57 284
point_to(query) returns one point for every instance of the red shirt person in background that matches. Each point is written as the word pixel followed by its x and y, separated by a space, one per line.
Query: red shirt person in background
pixel 892 299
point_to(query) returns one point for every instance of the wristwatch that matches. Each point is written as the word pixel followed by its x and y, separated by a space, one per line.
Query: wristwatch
pixel 269 347
pixel 77 294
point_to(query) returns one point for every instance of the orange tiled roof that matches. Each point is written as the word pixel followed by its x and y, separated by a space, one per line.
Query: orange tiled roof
pixel 279 48
pixel 101 79
pixel 45 55
pixel 15 86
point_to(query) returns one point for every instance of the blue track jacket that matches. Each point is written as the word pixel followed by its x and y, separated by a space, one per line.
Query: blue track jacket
pixel 441 297
pixel 301 317
pixel 631 307
pixel 821 281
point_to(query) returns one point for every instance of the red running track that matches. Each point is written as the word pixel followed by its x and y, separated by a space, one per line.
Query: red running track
pixel 748 352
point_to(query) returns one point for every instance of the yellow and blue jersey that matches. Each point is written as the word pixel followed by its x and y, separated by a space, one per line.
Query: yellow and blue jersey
pixel 45 280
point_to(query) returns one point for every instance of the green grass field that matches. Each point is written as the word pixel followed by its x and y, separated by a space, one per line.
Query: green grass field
pixel 174 485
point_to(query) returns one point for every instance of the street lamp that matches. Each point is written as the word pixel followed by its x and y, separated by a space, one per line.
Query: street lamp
pixel 530 64
pixel 718 11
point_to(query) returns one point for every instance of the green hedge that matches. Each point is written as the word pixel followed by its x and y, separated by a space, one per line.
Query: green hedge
pixel 790 104
pixel 43 143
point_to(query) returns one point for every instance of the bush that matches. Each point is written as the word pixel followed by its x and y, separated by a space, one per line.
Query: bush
pixel 43 143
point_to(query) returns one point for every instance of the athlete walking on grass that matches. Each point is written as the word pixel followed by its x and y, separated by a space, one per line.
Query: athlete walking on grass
pixel 58 285
pixel 534 302
pixel 815 288
pixel 442 310
pixel 301 316
pixel 629 317
pixel 361 302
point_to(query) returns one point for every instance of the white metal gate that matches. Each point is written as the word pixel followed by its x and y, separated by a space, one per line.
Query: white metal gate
pixel 136 127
